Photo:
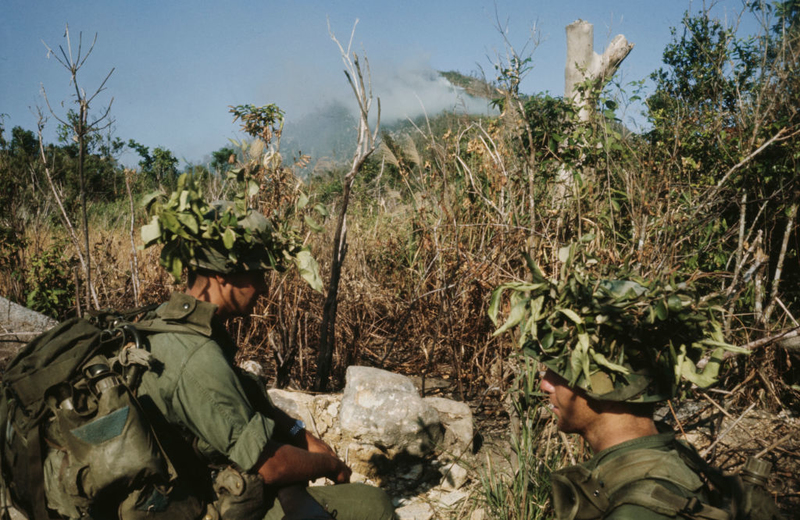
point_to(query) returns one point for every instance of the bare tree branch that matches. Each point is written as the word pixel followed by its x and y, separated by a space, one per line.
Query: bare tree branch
pixel 366 144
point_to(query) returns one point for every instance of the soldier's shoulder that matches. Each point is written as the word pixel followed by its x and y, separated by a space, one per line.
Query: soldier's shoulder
pixel 184 313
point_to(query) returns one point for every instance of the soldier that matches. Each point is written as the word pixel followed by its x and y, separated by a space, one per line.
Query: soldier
pixel 236 455
pixel 229 417
pixel 611 349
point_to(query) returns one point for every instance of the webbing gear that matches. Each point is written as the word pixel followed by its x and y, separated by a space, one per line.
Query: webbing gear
pixel 639 477
pixel 677 482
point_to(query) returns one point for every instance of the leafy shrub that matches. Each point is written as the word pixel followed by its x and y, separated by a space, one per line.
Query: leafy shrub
pixel 51 283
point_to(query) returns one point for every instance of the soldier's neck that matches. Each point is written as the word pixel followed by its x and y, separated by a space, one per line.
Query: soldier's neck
pixel 611 429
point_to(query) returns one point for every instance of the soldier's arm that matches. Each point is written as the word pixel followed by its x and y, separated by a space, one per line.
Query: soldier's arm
pixel 286 464
pixel 302 439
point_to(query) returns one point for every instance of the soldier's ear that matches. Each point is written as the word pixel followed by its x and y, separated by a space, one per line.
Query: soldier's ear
pixel 219 279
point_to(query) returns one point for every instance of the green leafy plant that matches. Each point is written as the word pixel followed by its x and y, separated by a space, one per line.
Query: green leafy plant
pixel 51 282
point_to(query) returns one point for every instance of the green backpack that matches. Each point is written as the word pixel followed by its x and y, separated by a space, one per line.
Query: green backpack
pixel 74 441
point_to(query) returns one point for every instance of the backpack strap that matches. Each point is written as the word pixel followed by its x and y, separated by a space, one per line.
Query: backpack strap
pixel 642 477
pixel 36 474
pixel 655 496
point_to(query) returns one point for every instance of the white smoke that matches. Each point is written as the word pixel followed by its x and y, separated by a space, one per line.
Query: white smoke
pixel 326 124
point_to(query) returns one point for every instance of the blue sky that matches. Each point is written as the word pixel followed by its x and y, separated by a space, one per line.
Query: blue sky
pixel 178 64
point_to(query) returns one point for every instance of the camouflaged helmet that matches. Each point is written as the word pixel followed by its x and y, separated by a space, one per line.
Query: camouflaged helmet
pixel 254 250
pixel 611 333
pixel 223 237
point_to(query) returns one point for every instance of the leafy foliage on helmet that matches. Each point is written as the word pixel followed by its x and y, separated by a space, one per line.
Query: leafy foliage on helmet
pixel 223 237
pixel 612 333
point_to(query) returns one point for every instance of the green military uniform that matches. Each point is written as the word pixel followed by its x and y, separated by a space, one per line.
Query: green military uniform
pixel 196 389
pixel 642 479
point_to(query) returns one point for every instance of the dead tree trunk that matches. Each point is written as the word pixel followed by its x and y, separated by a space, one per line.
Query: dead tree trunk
pixel 585 75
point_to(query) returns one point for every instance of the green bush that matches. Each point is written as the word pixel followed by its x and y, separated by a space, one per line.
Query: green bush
pixel 52 288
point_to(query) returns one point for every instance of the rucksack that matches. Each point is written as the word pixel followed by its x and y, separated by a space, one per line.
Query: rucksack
pixel 71 424
pixel 639 476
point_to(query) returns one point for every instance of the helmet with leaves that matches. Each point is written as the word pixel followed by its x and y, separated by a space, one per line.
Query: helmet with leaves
pixel 612 333
pixel 223 237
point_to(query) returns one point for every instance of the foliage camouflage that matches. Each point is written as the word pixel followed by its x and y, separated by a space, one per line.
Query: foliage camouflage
pixel 223 237
pixel 616 335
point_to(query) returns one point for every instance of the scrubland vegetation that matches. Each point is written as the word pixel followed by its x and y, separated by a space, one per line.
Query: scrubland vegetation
pixel 444 210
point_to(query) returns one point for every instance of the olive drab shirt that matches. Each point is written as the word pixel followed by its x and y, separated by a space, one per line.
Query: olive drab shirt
pixel 599 488
pixel 195 387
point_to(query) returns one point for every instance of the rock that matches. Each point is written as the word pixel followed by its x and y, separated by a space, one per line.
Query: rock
pixel 19 325
pixel 296 404
pixel 454 477
pixel 448 499
pixel 457 420
pixel 417 511
pixel 414 473
pixel 254 367
pixel 385 410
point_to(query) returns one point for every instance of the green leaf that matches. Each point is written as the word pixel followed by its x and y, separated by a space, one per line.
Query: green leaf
pixel 189 221
pixel 182 205
pixel 601 360
pixel 312 224
pixel 661 310
pixel 302 201
pixel 564 254
pixel 309 269
pixel 252 188
pixel 726 346
pixel 569 313
pixel 708 376
pixel 515 316
pixel 322 210
pixel 228 238
pixel 494 303
pixel 674 303
pixel 151 232
pixel 150 197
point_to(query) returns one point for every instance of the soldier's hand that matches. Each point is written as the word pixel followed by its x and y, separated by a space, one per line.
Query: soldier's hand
pixel 341 475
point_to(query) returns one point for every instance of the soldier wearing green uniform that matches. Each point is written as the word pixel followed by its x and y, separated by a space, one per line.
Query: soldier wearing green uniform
pixel 230 446
pixel 611 349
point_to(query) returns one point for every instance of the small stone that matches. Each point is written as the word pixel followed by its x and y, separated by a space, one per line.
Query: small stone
pixel 451 499
pixel 418 511
pixel 455 476
pixel 478 514
pixel 414 473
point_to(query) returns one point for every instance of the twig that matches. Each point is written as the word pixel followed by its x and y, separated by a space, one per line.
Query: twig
pixel 675 416
pixel 791 317
pixel 779 268
pixel 776 443
pixel 738 165
pixel 568 447
pixel 134 256
pixel 723 434
pixel 717 406
pixel 766 341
